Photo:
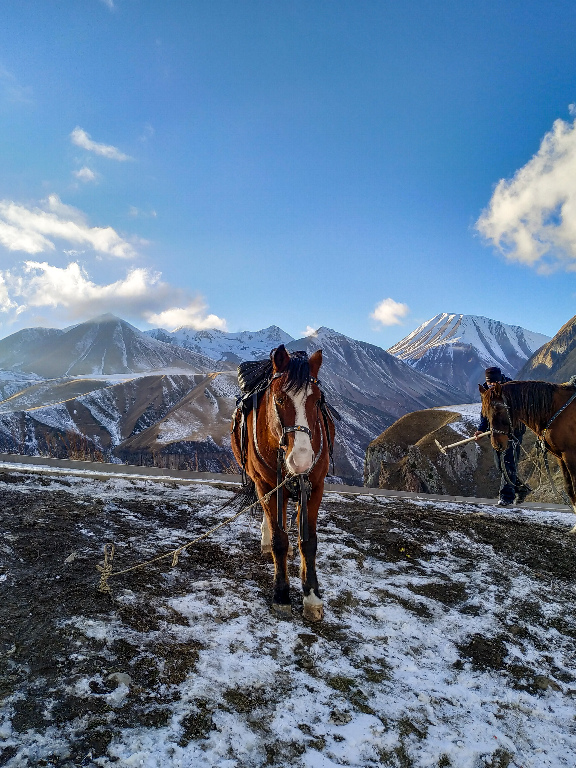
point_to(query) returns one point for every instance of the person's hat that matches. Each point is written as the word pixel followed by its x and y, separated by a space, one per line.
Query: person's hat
pixel 493 375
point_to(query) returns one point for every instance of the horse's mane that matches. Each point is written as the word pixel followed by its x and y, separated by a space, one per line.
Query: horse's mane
pixel 255 375
pixel 532 401
pixel 297 375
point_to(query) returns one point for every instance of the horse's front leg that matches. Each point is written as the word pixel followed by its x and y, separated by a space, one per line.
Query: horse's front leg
pixel 266 538
pixel 313 607
pixel 278 539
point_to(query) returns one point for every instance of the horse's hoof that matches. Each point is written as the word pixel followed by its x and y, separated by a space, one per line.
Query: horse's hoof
pixel 266 549
pixel 313 607
pixel 572 531
pixel 284 609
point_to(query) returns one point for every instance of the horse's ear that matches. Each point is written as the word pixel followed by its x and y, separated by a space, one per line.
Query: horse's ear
pixel 315 361
pixel 481 389
pixel 280 359
pixel 497 389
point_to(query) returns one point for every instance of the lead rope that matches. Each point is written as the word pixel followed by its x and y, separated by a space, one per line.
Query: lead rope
pixel 106 569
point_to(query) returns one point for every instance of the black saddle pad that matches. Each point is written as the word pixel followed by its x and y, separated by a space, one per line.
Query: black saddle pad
pixel 254 375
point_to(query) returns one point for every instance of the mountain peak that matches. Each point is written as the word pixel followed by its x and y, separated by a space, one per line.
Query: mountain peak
pixel 457 348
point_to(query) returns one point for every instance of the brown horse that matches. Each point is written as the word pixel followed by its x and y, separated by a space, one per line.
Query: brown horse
pixel 548 409
pixel 288 437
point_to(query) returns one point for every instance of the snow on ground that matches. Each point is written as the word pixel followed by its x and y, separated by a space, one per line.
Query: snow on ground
pixel 469 417
pixel 448 638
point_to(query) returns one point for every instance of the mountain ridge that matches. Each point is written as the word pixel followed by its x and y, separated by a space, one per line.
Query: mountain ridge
pixel 458 348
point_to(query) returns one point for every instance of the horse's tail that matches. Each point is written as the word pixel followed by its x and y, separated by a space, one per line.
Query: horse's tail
pixel 245 496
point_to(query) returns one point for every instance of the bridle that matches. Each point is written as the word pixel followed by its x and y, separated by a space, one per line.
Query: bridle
pixel 509 431
pixel 298 485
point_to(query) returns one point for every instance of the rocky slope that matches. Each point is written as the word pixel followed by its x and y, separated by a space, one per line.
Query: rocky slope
pixel 458 348
pixel 181 421
pixel 556 360
pixel 405 457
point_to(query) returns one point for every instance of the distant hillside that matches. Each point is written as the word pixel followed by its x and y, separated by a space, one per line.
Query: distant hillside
pixel 142 417
pixel 104 345
pixel 405 457
pixel 458 348
pixel 182 421
pixel 556 360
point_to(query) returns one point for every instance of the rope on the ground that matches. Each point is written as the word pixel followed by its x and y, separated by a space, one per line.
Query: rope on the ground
pixel 108 573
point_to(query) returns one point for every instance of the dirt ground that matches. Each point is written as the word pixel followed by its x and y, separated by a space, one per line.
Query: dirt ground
pixel 70 689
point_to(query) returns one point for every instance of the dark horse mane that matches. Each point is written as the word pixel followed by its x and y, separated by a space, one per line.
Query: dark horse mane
pixel 530 400
pixel 255 375
pixel 297 375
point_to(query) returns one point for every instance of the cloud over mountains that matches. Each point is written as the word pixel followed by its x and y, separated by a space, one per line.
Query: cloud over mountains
pixel 531 217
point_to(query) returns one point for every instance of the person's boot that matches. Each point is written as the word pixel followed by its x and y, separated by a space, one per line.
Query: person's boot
pixel 522 490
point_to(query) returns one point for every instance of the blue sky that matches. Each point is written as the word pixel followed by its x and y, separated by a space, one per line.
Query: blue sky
pixel 238 164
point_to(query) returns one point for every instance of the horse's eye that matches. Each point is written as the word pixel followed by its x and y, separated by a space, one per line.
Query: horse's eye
pixel 280 400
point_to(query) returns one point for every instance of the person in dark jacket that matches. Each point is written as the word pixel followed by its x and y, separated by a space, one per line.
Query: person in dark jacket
pixel 515 490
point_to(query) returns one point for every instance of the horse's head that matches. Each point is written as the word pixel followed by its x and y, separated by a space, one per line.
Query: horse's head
pixel 496 410
pixel 295 397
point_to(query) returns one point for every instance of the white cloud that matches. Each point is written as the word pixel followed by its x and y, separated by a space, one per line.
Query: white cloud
pixel 6 304
pixel 191 315
pixel 137 213
pixel 147 133
pixel 109 4
pixel 390 312
pixel 34 230
pixel 12 90
pixel 572 109
pixel 141 294
pixel 531 218
pixel 85 174
pixel 82 139
pixel 309 331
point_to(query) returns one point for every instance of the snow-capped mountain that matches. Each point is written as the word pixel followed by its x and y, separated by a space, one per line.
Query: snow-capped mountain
pixel 104 345
pixel 186 416
pixel 371 389
pixel 457 348
pixel 219 345
pixel 556 360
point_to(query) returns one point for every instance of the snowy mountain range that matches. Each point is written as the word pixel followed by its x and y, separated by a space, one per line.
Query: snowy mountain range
pixel 103 345
pixel 219 345
pixel 140 396
pixel 458 348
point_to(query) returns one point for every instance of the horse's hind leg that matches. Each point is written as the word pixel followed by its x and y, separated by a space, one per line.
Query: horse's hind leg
pixel 313 607
pixel 279 548
pixel 266 538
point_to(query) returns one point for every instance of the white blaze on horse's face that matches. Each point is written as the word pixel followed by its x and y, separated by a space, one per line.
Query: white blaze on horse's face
pixel 301 457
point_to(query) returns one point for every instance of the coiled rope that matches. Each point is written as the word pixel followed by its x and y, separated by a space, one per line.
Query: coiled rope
pixel 107 572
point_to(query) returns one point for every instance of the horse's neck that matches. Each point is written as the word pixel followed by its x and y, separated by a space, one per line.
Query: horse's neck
pixel 537 423
pixel 263 417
